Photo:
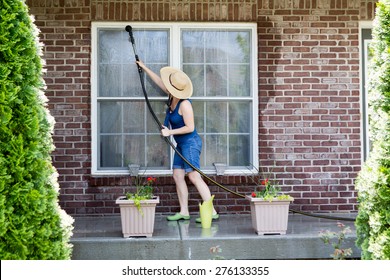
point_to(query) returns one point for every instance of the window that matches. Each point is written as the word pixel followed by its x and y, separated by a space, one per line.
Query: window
pixel 221 61
pixel 365 38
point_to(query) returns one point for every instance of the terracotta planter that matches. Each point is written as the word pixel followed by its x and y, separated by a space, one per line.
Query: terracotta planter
pixel 269 217
pixel 135 223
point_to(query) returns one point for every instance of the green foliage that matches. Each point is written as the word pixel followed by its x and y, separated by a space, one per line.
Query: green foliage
pixel 268 188
pixel 373 182
pixel 144 190
pixel 336 239
pixel 215 251
pixel 32 225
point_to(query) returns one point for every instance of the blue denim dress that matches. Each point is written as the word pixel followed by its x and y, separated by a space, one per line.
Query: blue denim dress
pixel 189 144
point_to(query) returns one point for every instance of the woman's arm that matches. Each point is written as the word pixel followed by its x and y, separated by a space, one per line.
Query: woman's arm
pixel 155 78
pixel 188 115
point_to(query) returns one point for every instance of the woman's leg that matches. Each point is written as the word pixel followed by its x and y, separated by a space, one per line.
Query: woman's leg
pixel 182 190
pixel 201 186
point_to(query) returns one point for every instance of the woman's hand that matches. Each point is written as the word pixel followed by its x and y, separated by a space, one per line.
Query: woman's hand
pixel 155 78
pixel 165 131
pixel 140 64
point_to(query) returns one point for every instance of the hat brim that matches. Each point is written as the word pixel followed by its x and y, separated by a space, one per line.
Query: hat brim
pixel 165 73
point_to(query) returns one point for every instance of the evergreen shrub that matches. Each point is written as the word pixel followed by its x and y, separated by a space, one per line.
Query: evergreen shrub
pixel 32 224
pixel 373 182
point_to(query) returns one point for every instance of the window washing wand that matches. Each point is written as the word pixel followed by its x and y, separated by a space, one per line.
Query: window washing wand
pixel 129 29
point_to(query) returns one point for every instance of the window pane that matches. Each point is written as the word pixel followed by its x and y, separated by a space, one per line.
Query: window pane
pixel 239 150
pixel 239 80
pixel 216 83
pixel 199 115
pixel 216 149
pixel 239 117
pixel 134 117
pixel 159 108
pixel 153 50
pixel 216 117
pixel 216 43
pixel 152 45
pixel 110 117
pixel 114 52
pixel 134 150
pixel 118 74
pixel 239 47
pixel 196 73
pixel 110 48
pixel 110 80
pixel 131 81
pixel 110 151
pixel 158 152
pixel 193 46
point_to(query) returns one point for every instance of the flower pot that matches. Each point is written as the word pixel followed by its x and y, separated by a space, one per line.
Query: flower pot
pixel 269 217
pixel 137 223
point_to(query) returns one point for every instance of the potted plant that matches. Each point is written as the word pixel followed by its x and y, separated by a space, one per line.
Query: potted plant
pixel 138 208
pixel 269 207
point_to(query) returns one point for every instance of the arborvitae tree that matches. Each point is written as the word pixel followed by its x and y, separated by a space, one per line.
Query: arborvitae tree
pixel 373 182
pixel 32 224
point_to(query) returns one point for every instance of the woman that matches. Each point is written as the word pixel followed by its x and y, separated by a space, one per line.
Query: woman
pixel 180 116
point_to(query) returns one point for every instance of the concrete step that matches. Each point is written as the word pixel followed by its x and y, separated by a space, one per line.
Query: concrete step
pixel 100 238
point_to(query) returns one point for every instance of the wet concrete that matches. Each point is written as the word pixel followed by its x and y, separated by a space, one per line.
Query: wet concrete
pixel 100 238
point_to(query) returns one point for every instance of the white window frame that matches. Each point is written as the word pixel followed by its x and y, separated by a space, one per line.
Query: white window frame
pixel 175 49
pixel 363 45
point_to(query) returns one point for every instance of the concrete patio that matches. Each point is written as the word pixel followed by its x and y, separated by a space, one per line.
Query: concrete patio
pixel 100 238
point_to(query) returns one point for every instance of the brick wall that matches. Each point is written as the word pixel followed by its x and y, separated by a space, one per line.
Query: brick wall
pixel 309 98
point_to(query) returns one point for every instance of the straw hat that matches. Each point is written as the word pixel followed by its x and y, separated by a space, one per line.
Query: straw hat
pixel 177 82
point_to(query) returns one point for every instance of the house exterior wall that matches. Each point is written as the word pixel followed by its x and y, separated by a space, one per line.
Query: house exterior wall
pixel 309 97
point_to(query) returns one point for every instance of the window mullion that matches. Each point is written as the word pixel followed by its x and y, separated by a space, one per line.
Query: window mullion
pixel 204 131
pixel 227 134
pixel 122 135
pixel 146 136
pixel 175 48
pixel 122 117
